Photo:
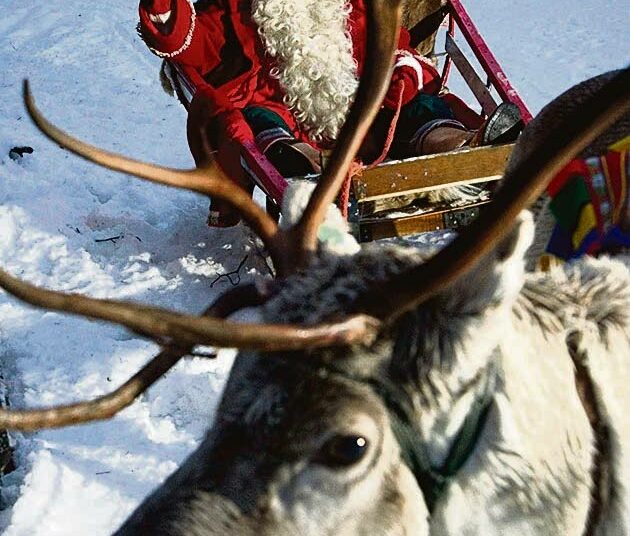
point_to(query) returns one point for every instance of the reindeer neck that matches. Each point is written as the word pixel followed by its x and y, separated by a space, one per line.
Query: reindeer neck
pixel 466 415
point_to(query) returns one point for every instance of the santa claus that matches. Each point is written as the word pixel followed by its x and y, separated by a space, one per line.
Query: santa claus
pixel 284 73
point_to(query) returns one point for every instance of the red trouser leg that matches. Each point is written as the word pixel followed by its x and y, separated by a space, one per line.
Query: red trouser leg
pixel 216 138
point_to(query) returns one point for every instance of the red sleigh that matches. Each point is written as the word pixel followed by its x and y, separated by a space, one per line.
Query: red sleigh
pixel 379 196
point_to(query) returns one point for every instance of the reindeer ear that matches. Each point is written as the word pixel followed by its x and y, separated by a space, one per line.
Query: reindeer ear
pixel 497 278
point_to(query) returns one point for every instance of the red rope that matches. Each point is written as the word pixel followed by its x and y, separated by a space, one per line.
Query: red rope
pixel 344 195
pixel 356 168
pixel 392 129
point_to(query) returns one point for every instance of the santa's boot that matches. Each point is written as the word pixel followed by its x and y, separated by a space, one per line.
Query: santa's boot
pixel 291 157
pixel 443 135
pixel 503 126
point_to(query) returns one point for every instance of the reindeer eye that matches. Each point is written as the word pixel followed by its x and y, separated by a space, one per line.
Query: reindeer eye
pixel 342 451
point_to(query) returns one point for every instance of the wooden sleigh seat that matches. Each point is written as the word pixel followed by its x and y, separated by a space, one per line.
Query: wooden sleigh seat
pixel 387 197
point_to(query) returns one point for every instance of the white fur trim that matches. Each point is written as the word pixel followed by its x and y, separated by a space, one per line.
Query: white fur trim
pixel 187 41
pixel 334 232
pixel 409 60
pixel 160 17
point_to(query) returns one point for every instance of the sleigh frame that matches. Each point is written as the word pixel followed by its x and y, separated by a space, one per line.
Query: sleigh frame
pixel 395 180
pixel 378 196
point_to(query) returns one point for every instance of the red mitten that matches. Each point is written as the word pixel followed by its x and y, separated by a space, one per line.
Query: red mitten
pixel 405 80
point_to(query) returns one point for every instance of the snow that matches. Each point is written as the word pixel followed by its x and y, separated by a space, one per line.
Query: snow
pixel 67 224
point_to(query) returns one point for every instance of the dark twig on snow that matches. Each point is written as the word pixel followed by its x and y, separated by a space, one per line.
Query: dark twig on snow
pixel 206 355
pixel 235 273
pixel 111 239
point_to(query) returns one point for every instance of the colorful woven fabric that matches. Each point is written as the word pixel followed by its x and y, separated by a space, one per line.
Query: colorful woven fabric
pixel 587 201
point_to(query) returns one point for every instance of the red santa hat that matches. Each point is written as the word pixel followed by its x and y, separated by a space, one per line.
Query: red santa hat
pixel 180 36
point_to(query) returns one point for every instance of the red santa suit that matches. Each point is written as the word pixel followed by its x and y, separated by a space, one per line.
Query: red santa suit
pixel 300 60
pixel 220 51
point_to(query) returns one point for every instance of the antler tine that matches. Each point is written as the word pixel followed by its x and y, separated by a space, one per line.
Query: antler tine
pixel 101 408
pixel 389 300
pixel 107 406
pixel 210 181
pixel 384 18
pixel 172 328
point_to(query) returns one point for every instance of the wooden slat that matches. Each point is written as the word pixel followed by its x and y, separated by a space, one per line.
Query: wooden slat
pixel 378 228
pixel 387 228
pixel 424 173
pixel 476 85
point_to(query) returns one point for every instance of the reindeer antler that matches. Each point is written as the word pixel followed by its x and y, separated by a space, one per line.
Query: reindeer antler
pixel 384 18
pixel 210 181
pixel 184 331
pixel 177 329
pixel 107 406
pixel 390 299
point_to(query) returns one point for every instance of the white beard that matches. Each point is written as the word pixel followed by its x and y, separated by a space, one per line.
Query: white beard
pixel 310 42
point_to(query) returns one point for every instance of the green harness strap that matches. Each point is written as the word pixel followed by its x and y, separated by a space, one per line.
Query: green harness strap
pixel 433 481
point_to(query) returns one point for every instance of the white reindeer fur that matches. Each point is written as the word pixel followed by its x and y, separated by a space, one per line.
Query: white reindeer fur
pixel 530 471
pixel 334 232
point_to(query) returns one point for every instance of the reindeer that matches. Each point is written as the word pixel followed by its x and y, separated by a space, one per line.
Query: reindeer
pixel 386 393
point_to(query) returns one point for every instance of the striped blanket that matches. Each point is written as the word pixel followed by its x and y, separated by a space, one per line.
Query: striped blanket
pixel 588 201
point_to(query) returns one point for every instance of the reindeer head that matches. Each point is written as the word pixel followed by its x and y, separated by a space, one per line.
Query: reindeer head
pixel 296 448
pixel 306 439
